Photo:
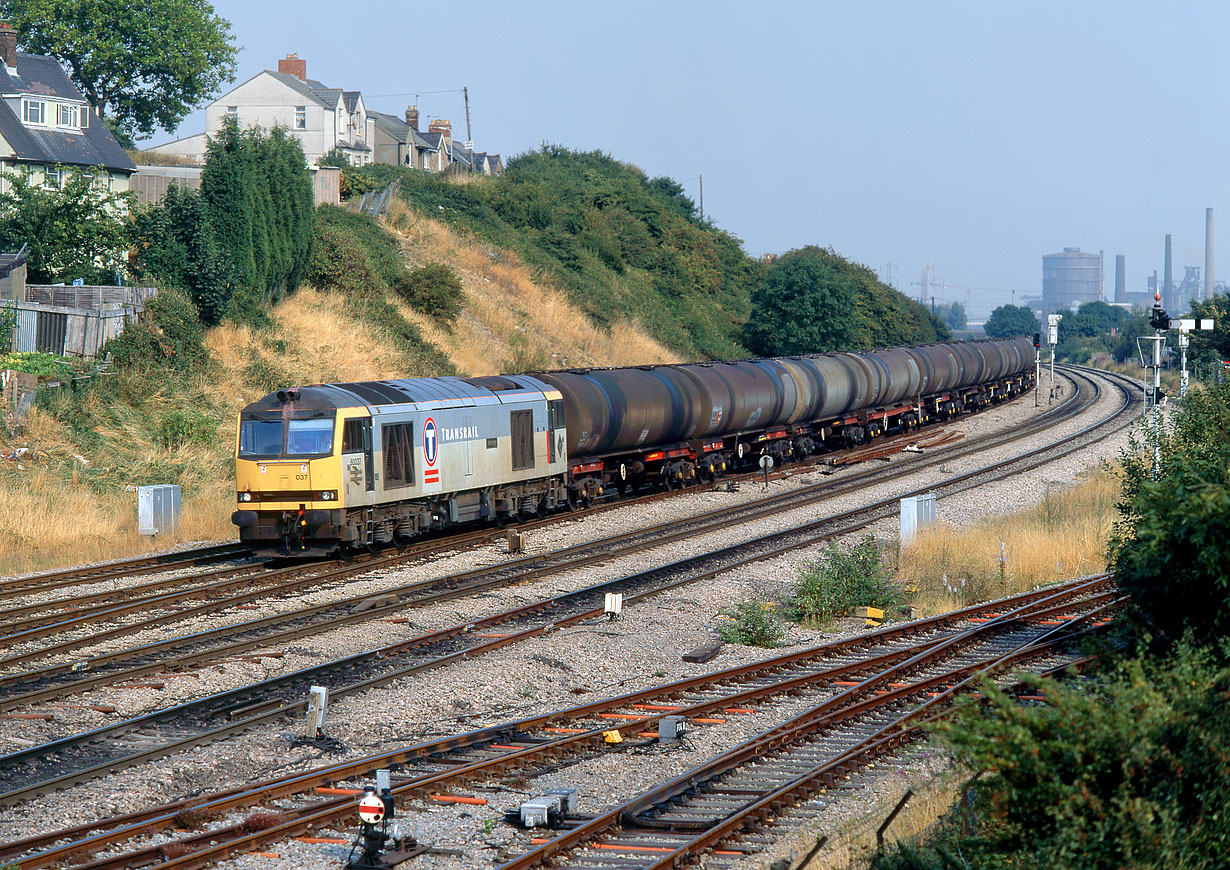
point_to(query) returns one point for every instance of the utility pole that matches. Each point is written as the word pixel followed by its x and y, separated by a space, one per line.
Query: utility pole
pixel 702 198
pixel 465 92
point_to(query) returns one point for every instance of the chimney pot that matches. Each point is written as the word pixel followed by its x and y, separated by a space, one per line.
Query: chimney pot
pixel 412 117
pixel 293 65
pixel 8 45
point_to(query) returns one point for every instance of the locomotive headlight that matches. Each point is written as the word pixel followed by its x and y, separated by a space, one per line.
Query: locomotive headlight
pixel 245 496
pixel 328 495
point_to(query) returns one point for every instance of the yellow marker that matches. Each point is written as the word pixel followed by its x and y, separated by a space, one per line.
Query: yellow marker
pixel 612 737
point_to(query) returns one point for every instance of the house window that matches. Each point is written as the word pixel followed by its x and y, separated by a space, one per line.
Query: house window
pixel 51 177
pixel 66 116
pixel 300 117
pixel 232 113
pixel 34 111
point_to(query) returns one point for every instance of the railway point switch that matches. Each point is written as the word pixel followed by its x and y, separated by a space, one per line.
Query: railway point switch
pixel 548 810
pixel 318 703
pixel 671 729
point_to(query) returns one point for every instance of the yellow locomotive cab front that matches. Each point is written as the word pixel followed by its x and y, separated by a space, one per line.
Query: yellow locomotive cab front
pixel 288 475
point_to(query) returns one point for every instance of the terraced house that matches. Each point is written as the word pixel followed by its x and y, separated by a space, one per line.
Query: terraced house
pixel 323 118
pixel 47 129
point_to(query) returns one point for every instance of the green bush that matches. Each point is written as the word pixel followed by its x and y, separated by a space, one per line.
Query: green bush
pixel 340 263
pixel 751 623
pixel 1129 770
pixel 843 579
pixel 37 363
pixel 1170 549
pixel 177 428
pixel 168 337
pixel 435 289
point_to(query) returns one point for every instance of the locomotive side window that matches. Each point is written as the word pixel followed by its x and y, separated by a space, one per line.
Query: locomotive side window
pixel 352 436
pixel 522 426
pixel 398 454
pixel 555 414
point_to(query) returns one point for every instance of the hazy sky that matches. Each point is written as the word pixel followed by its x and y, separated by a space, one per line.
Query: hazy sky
pixel 977 136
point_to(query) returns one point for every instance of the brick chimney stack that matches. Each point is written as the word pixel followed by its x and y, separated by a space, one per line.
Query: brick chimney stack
pixel 8 45
pixel 442 126
pixel 292 65
pixel 412 117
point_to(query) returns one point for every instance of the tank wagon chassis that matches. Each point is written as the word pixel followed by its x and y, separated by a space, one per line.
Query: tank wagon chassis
pixel 331 469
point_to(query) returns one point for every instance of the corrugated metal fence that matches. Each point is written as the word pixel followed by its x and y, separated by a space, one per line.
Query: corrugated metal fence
pixel 74 321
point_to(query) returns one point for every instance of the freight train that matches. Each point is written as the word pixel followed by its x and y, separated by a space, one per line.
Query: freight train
pixel 332 468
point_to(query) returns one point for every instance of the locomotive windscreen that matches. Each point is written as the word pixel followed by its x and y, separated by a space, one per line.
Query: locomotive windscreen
pixel 274 435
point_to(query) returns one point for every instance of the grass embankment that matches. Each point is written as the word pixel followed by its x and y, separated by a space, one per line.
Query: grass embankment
pixel 66 496
pixel 1062 536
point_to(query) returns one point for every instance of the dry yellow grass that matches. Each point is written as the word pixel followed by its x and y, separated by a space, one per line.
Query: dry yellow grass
pixel 52 518
pixel 1063 536
pixel 507 312
pixel 322 343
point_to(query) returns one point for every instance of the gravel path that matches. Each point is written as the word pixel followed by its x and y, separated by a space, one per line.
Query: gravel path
pixel 555 671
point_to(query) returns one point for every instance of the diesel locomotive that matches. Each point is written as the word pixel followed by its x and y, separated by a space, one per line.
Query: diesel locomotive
pixel 331 468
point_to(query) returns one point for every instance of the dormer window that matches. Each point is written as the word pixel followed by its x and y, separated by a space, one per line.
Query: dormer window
pixel 67 116
pixel 34 111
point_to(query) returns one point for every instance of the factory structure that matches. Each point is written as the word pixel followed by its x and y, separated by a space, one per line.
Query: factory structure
pixel 1073 277
pixel 1070 278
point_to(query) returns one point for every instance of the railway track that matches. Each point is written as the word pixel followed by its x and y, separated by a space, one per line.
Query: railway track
pixel 49 581
pixel 838 678
pixel 85 756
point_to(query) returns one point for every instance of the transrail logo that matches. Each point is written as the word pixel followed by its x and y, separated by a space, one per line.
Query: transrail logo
pixel 431 448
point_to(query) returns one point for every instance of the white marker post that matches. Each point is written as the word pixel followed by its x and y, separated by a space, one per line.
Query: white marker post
pixel 1052 338
pixel 766 463
pixel 1185 327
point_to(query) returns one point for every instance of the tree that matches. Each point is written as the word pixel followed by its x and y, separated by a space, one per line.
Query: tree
pixel 953 314
pixel 141 64
pixel 1007 321
pixel 178 247
pixel 258 196
pixel 1170 548
pixel 1215 345
pixel 76 231
pixel 813 300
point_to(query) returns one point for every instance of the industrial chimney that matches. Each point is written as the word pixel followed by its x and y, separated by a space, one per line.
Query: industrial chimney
pixel 1167 278
pixel 1120 280
pixel 1208 254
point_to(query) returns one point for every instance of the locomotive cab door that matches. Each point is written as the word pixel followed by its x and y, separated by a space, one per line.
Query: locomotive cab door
pixel 555 433
pixel 357 470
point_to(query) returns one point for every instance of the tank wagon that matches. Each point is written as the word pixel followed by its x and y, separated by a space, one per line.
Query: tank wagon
pixel 334 467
